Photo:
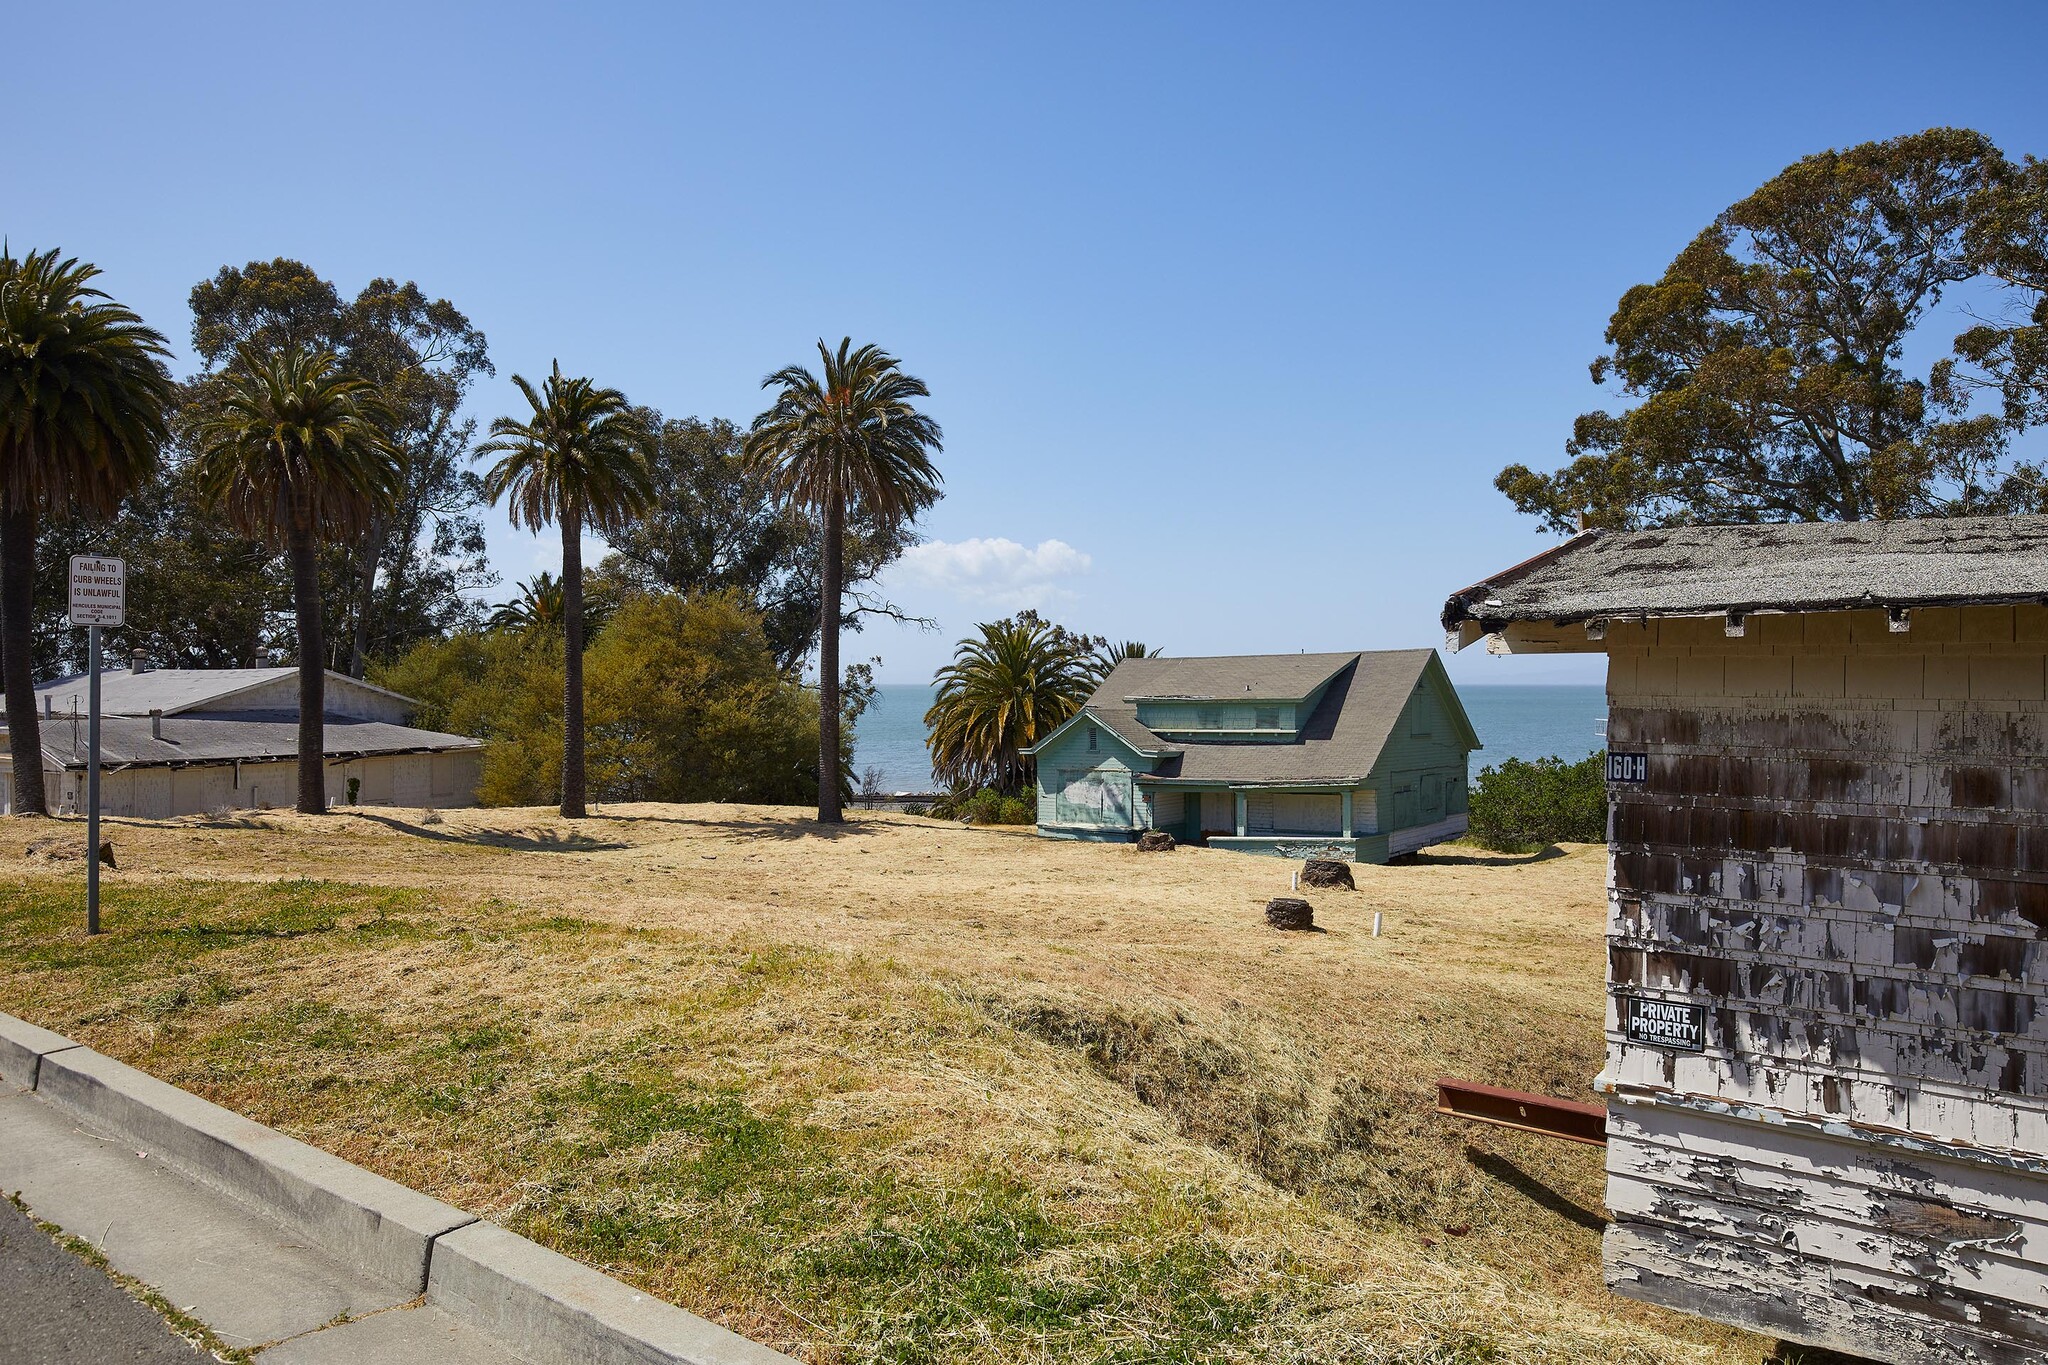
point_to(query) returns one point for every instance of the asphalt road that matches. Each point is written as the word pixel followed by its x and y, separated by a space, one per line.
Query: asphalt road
pixel 58 1310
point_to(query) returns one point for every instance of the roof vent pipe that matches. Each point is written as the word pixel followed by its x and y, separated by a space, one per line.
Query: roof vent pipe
pixel 156 723
pixel 138 662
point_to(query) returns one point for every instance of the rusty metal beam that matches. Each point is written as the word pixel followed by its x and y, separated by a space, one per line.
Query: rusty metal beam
pixel 1521 1110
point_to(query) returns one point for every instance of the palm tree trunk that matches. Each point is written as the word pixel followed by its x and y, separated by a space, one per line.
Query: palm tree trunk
pixel 305 557
pixel 17 656
pixel 829 812
pixel 574 784
pixel 366 599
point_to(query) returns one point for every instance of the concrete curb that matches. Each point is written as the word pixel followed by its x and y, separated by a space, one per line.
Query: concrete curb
pixel 519 1291
pixel 548 1308
pixel 22 1049
pixel 364 1219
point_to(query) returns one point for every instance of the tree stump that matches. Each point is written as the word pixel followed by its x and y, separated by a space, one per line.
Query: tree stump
pixel 1290 912
pixel 1155 841
pixel 1328 872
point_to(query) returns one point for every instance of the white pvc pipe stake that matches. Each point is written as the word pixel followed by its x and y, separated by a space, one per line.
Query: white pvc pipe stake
pixel 1295 885
pixel 1375 924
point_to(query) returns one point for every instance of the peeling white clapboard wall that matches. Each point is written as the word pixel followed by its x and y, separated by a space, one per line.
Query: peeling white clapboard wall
pixel 1838 855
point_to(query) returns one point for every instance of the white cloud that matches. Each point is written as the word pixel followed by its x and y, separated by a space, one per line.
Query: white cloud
pixel 995 572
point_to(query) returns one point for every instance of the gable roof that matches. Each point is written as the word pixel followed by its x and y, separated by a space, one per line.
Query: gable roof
pixel 227 737
pixel 1337 744
pixel 124 692
pixel 1805 566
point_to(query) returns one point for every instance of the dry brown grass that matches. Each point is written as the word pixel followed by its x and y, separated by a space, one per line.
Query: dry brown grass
pixel 905 1090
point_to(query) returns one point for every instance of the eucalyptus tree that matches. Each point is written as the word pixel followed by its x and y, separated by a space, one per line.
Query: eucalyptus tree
pixel 296 454
pixel 1770 360
pixel 579 462
pixel 84 410
pixel 846 443
pixel 1008 687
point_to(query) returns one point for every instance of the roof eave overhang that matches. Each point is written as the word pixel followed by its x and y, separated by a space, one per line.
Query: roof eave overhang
pixel 1546 633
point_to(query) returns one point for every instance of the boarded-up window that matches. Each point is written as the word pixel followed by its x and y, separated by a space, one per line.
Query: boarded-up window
pixel 1432 797
pixel 1209 717
pixel 1092 798
pixel 1308 813
pixel 1266 718
pixel 1365 812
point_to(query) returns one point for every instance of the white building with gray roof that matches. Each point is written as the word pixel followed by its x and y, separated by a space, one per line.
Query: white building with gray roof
pixel 184 741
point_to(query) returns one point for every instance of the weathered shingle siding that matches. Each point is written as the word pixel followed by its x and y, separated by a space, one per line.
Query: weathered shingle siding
pixel 1841 851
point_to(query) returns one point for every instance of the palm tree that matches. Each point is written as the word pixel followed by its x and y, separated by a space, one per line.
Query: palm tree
pixel 1005 690
pixel 537 608
pixel 582 461
pixel 295 454
pixel 1107 656
pixel 84 403
pixel 844 442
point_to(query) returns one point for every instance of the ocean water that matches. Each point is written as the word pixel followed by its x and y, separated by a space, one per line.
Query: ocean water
pixel 1524 722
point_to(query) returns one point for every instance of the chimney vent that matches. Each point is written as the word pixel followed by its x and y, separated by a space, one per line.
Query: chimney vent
pixel 138 662
pixel 156 723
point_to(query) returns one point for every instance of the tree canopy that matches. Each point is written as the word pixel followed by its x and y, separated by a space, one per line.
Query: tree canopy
pixel 405 575
pixel 1771 366
pixel 686 703
pixel 717 523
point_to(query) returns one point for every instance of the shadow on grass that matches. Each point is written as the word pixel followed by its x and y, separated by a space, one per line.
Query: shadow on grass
pixel 1508 1173
pixel 784 831
pixel 1792 1353
pixel 526 841
pixel 1476 858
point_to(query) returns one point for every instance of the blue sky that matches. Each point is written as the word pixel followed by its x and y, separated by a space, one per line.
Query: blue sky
pixel 1230 313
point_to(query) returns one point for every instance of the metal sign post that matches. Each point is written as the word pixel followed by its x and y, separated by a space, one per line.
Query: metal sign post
pixel 99 597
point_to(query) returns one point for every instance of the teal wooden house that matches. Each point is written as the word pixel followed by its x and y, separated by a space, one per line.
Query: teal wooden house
pixel 1358 756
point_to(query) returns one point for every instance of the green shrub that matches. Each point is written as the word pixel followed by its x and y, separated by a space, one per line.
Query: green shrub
pixel 986 807
pixel 1520 806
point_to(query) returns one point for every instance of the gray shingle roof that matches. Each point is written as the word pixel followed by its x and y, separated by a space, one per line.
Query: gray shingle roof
pixel 171 690
pixel 1806 566
pixel 1238 677
pixel 224 737
pixel 1339 743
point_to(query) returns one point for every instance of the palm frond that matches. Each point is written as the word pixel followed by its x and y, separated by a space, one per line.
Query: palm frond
pixel 84 395
pixel 294 445
pixel 585 452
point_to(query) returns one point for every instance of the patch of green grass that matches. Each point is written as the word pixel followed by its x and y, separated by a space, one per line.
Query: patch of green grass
pixel 970 1263
pixel 169 925
pixel 899 1272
